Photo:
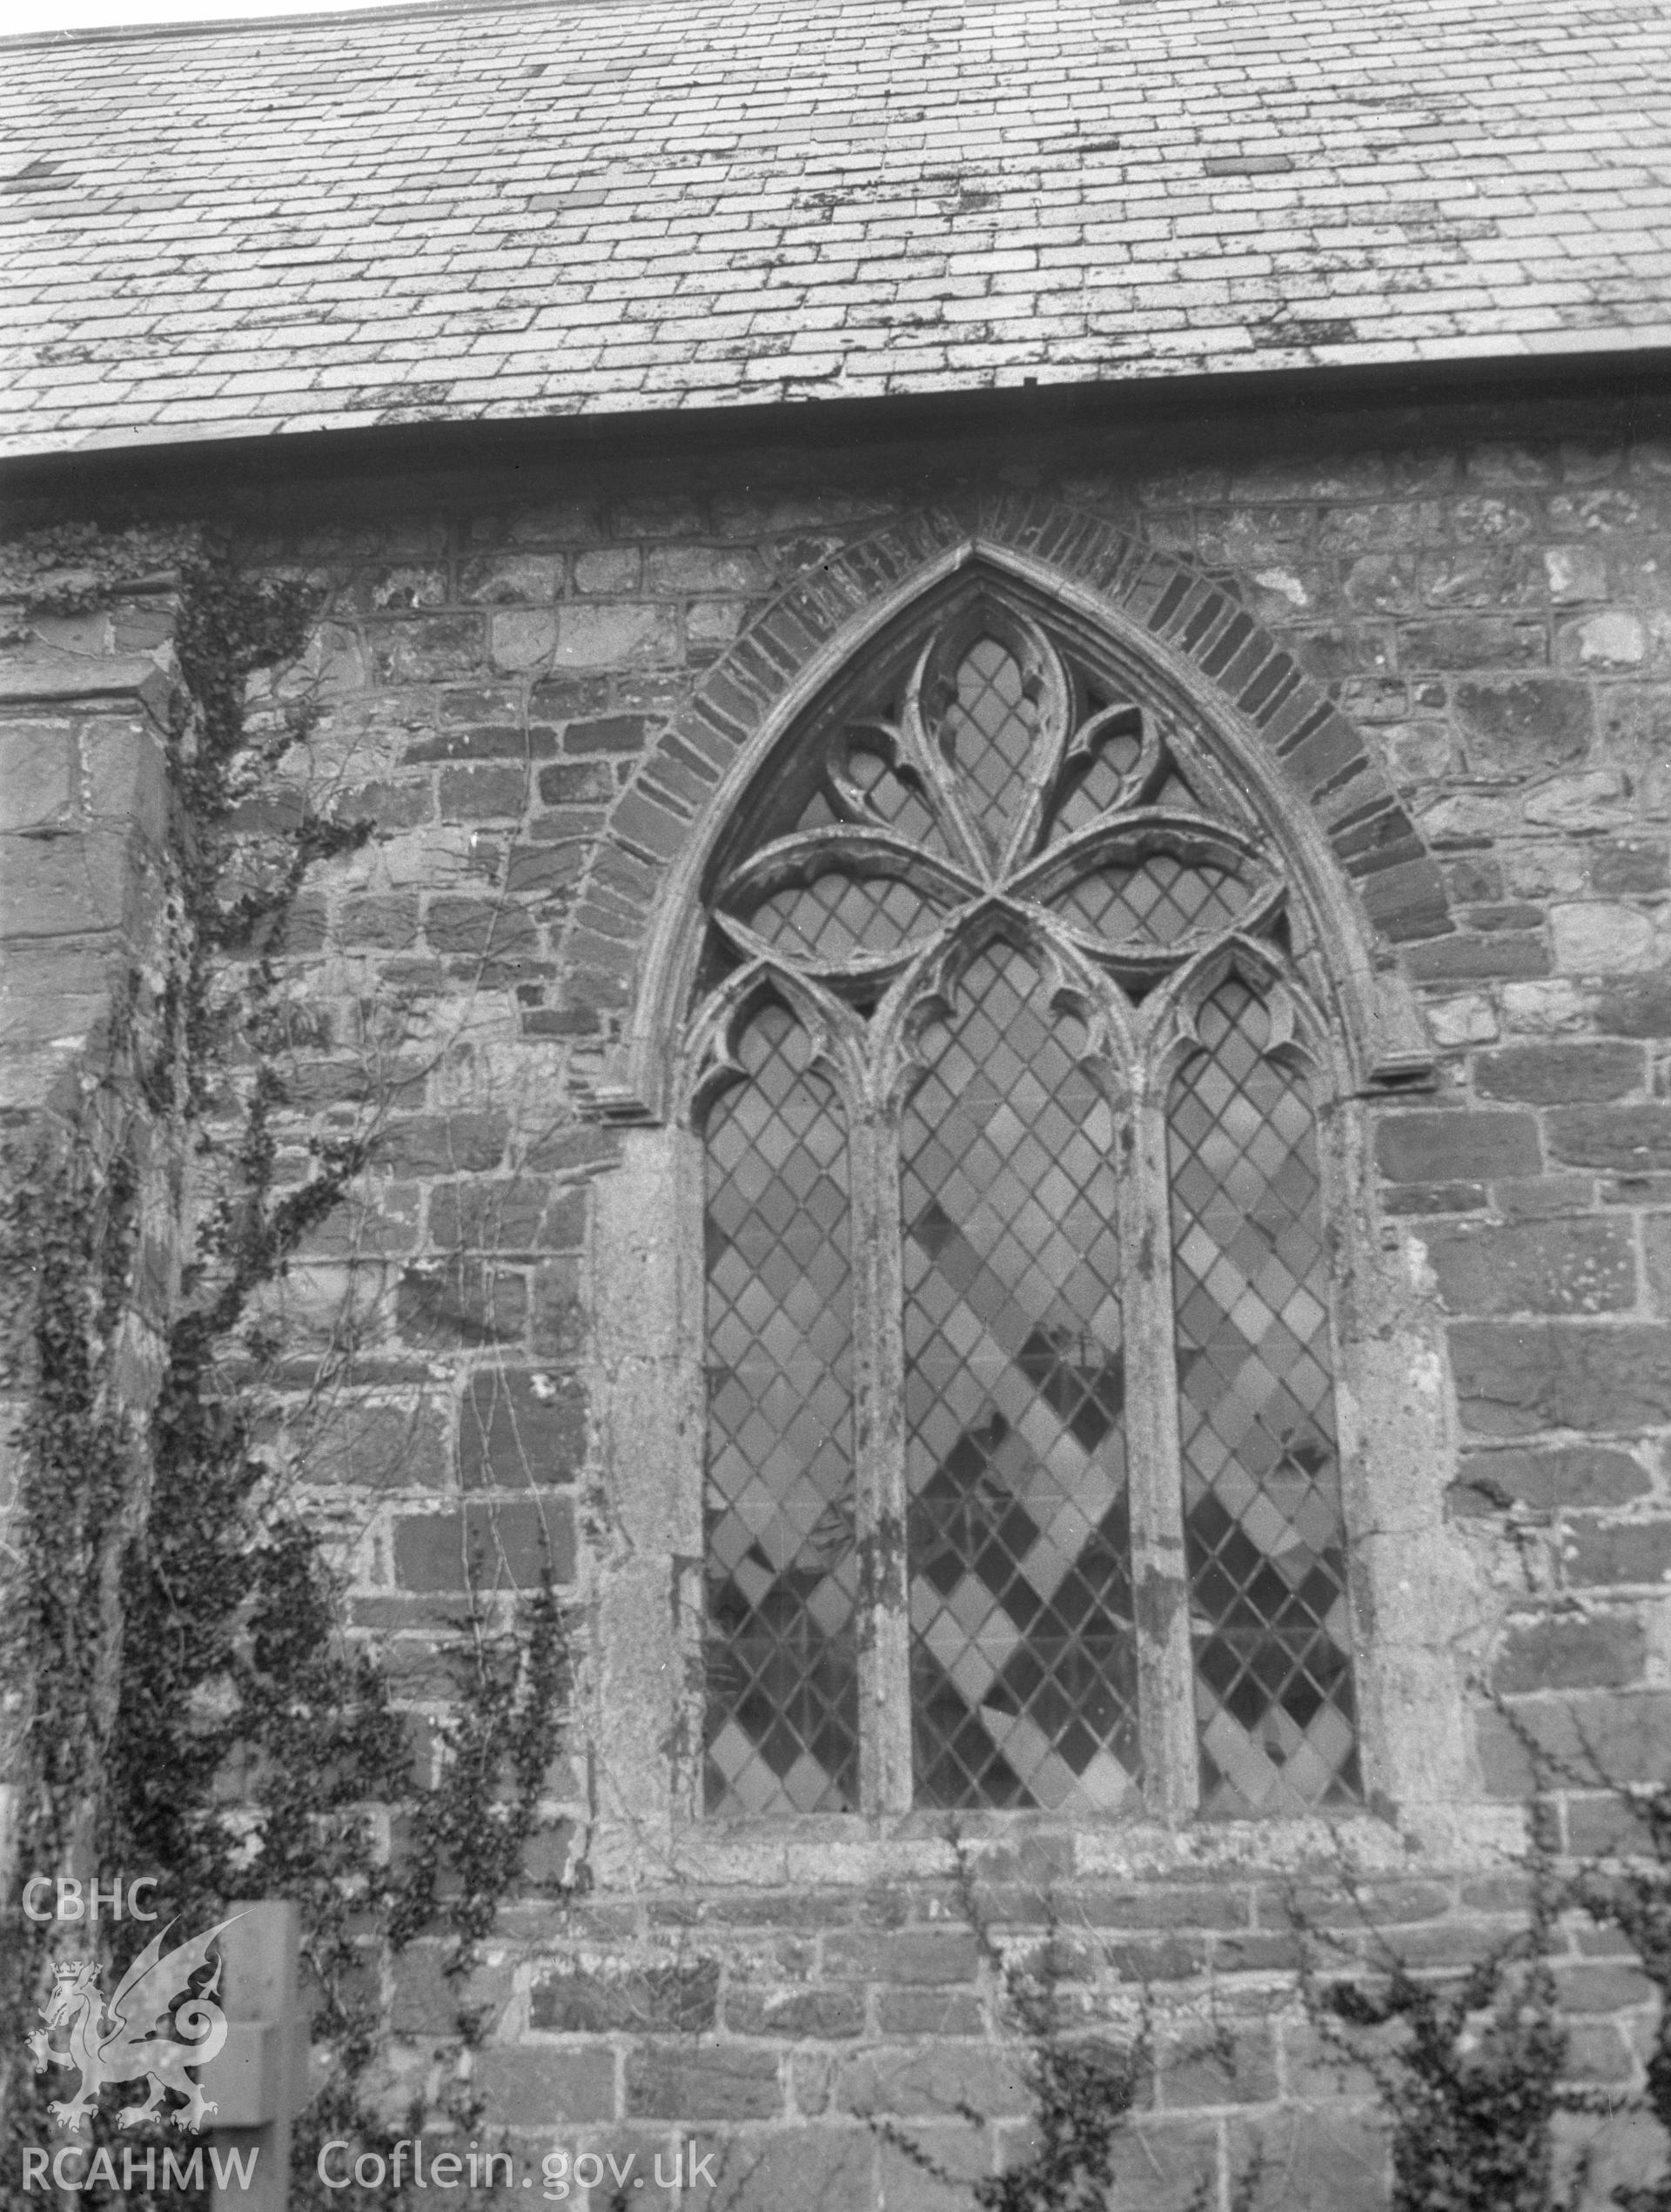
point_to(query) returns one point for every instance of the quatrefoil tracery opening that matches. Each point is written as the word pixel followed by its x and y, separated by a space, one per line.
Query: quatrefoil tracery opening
pixel 1000 785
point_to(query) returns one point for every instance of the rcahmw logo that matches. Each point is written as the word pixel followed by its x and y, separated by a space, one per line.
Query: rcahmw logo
pixel 160 2028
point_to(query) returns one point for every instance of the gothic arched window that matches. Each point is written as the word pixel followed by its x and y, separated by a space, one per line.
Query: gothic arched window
pixel 1005 1050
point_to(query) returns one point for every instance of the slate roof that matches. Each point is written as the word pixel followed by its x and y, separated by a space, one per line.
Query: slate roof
pixel 605 205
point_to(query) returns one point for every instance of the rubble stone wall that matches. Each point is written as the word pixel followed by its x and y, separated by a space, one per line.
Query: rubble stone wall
pixel 1454 632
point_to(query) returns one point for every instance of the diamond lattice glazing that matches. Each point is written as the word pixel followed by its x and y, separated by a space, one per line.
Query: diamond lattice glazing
pixel 1264 1534
pixel 839 914
pixel 1090 795
pixel 1023 1663
pixel 1160 900
pixel 990 724
pixel 782 1725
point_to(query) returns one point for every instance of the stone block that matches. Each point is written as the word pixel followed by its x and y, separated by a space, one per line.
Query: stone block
pixel 483 793
pixel 1519 725
pixel 713 624
pixel 1515 1377
pixel 64 886
pixel 934 2081
pixel 388 590
pixel 717 569
pixel 506 1214
pixel 513 580
pixel 1598 1988
pixel 1457 1145
pixel 805 2015
pixel 791 2170
pixel 526 638
pixel 521 1428
pixel 1618 1553
pixel 477 739
pixel 1468 957
pixel 1321 2068
pixel 612 569
pixel 1573 1476
pixel 1478 640
pixel 1630 868
pixel 469 1548
pixel 1629 1140
pixel 1598 937
pixel 1561 1074
pixel 559 1319
pixel 1157 2167
pixel 716 2082
pixel 1204 1905
pixel 1618 1736
pixel 961 2153
pixel 426 1144
pixel 1571 1651
pixel 376 1444
pixel 1583 1266
pixel 1493 522
pixel 909 1955
pixel 1601 1826
pixel 607 734
pixel 1544 1197
pixel 1236 2066
pixel 427 1999
pixel 569 783
pixel 459 1301
pixel 1639 1008
pixel 1317 2159
pixel 387 921
pixel 614 636
pixel 623 1996
pixel 1657 1255
pixel 1610 638
pixel 550 872
pixel 1592 799
pixel 1477 576
pixel 1576 572
pixel 1600 2161
pixel 1598 2051
pixel 529 2088
pixel 483 927
pixel 421 650
pixel 929 2012
pixel 37 773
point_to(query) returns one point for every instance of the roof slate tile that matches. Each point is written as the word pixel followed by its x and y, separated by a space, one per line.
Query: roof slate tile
pixel 598 205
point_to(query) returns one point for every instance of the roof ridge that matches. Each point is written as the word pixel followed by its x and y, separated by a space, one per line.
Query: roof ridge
pixel 397 10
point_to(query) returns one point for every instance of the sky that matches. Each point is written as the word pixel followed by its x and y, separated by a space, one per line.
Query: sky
pixel 19 16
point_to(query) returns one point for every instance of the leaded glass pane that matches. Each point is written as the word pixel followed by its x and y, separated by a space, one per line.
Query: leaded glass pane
pixel 987 728
pixel 1264 1534
pixel 1092 792
pixel 1158 901
pixel 1024 1676
pixel 839 914
pixel 783 1716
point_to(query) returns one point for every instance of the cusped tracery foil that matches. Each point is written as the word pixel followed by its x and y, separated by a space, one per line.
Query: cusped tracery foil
pixel 998 787
pixel 1002 883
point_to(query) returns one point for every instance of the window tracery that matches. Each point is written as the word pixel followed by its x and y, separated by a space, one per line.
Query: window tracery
pixel 1005 1050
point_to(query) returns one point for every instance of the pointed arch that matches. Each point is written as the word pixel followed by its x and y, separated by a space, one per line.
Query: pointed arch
pixel 1167 630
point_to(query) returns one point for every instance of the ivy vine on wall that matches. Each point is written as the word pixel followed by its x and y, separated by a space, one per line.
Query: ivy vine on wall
pixel 187 1702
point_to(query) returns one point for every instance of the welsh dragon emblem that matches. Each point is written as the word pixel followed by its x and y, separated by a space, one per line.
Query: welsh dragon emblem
pixel 129 2039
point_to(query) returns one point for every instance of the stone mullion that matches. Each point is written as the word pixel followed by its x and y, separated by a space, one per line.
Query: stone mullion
pixel 885 1763
pixel 1159 1571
